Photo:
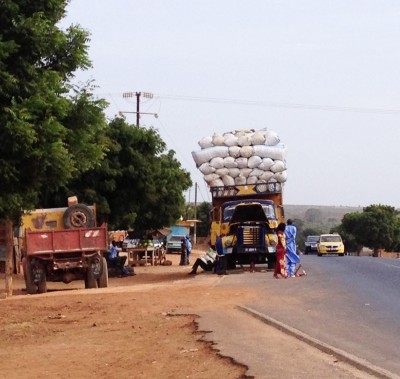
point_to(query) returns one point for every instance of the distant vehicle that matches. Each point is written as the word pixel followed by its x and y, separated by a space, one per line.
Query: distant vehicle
pixel 330 244
pixel 174 243
pixel 311 244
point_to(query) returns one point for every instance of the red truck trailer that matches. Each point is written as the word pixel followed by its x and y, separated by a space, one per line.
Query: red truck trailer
pixel 64 255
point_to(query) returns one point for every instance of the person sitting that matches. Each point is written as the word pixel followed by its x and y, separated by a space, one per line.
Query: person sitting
pixel 206 262
pixel 115 261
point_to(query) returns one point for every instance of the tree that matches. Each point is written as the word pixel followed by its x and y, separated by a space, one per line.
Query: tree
pixel 138 185
pixel 203 211
pixel 39 149
pixel 313 215
pixel 377 227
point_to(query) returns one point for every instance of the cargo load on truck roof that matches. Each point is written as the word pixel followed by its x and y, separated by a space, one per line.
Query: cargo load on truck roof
pixel 246 172
pixel 242 157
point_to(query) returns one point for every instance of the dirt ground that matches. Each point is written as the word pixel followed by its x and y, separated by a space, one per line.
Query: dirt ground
pixel 143 326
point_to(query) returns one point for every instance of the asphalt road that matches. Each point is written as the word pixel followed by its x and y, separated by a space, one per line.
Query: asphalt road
pixel 350 303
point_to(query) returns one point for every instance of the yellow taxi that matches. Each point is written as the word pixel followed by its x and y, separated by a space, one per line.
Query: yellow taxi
pixel 330 244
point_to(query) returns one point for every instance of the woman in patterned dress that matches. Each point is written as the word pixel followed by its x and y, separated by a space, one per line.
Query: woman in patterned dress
pixel 280 267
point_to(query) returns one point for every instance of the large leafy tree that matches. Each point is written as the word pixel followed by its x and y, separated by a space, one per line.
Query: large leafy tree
pixel 377 227
pixel 49 130
pixel 138 185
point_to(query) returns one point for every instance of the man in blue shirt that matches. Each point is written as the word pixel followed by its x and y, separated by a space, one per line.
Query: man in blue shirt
pixel 115 260
pixel 188 248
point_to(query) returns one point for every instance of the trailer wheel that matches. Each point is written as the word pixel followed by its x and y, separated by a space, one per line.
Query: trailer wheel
pixel 90 280
pixel 42 286
pixel 78 216
pixel 102 281
pixel 31 287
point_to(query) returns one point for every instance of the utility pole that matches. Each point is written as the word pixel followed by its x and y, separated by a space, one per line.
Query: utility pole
pixel 195 214
pixel 138 113
pixel 137 108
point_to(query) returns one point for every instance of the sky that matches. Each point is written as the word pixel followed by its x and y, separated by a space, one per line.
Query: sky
pixel 325 75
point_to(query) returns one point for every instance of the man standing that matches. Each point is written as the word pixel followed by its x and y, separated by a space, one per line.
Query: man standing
pixel 188 248
pixel 291 256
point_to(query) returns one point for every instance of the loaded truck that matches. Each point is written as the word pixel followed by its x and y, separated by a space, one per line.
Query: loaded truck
pixel 246 217
pixel 63 245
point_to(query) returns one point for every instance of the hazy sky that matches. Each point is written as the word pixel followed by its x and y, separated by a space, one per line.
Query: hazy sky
pixel 323 74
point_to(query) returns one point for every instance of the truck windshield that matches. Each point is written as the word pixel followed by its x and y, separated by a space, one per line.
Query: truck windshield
pixel 268 210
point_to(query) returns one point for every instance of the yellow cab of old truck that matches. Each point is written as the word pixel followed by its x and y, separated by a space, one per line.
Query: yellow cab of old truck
pixel 226 198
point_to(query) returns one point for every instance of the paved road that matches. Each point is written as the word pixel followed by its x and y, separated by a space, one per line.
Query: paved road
pixel 350 303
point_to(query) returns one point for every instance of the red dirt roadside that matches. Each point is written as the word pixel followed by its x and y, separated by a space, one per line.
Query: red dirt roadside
pixel 126 329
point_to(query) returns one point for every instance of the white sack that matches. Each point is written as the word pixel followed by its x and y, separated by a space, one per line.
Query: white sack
pixel 230 140
pixel 258 138
pixel 257 172
pixel 205 155
pixel 234 172
pixel 271 138
pixel 230 162
pixel 252 180
pixel 211 177
pixel 244 140
pixel 267 175
pixel 206 169
pixel 254 161
pixel 266 164
pixel 206 142
pixel 273 152
pixel 217 162
pixel 216 183
pixel 222 171
pixel 245 172
pixel 234 151
pixel 228 180
pixel 247 151
pixel 280 177
pixel 240 180
pixel 241 162
pixel 218 139
pixel 278 166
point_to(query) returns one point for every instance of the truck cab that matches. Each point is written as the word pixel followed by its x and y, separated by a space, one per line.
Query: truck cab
pixel 247 216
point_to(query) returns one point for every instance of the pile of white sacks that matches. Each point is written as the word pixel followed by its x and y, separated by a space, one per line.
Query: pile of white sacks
pixel 242 157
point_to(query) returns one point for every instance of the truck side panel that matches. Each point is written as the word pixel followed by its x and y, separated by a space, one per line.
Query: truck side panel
pixel 67 240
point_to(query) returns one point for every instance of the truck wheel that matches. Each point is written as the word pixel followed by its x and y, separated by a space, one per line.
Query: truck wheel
pixel 78 216
pixel 42 285
pixel 102 281
pixel 90 280
pixel 31 287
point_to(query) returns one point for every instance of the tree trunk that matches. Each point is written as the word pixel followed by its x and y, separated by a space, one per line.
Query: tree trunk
pixel 9 258
pixel 377 252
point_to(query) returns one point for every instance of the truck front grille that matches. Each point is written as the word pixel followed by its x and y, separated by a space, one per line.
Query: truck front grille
pixel 251 235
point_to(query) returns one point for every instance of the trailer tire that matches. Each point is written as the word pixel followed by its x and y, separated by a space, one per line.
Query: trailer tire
pixel 78 216
pixel 102 281
pixel 90 280
pixel 31 287
pixel 42 286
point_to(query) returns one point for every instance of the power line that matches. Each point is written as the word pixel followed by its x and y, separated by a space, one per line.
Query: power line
pixel 271 104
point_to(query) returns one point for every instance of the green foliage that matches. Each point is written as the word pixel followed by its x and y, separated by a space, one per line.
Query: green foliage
pixel 313 216
pixel 377 227
pixel 203 210
pixel 137 185
pixel 39 150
